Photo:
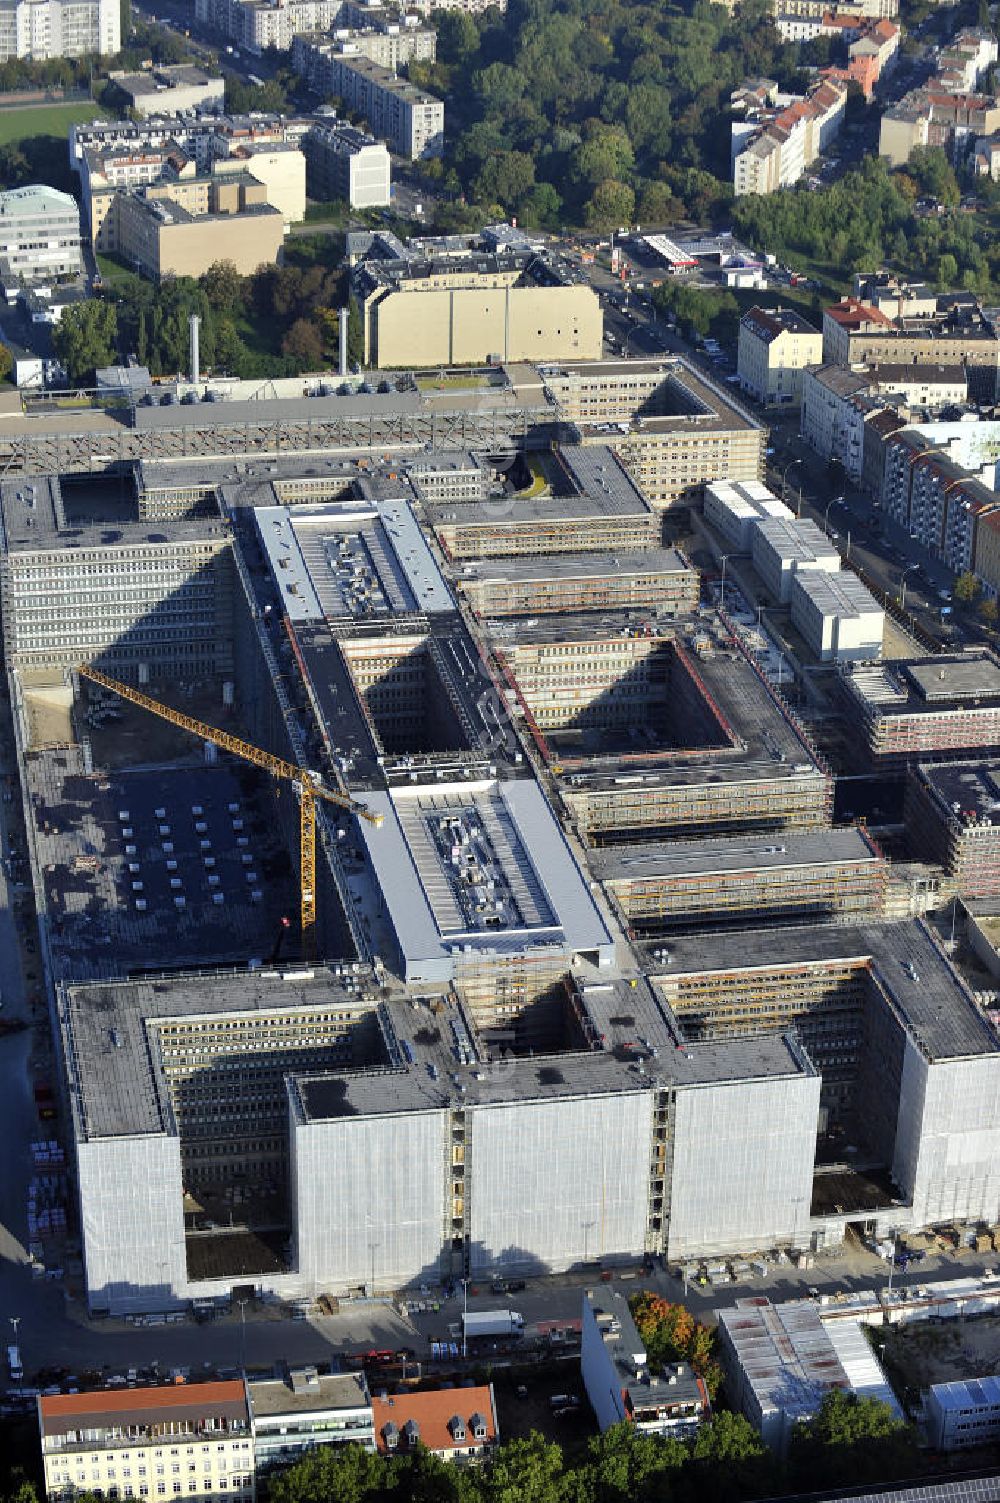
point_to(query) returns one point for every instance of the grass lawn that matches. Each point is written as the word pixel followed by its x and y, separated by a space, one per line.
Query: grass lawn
pixel 451 383
pixel 45 119
pixel 113 270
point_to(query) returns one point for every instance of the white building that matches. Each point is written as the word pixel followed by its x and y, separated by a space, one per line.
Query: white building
pixel 963 1414
pixel 775 346
pixel 39 234
pixel 109 1442
pixel 344 162
pixel 41 30
pixel 781 548
pixel 622 1386
pixel 733 507
pixel 293 1415
pixel 838 617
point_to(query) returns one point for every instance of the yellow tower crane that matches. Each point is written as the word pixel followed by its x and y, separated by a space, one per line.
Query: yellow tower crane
pixel 307 785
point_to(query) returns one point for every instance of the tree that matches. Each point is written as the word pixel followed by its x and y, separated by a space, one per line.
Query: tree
pixel 988 611
pixel 522 1471
pixel 853 1440
pixel 947 274
pixel 611 203
pixel 345 1473
pixel 966 588
pixel 505 178
pixel 626 1466
pixel 224 287
pixel 731 1460
pixel 84 338
pixel 6 362
pixel 727 1438
pixel 304 343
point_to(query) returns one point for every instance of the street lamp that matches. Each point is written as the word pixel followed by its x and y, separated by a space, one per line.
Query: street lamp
pixel 722 588
pixel 835 501
pixel 784 478
pixel 465 1317
pixel 902 584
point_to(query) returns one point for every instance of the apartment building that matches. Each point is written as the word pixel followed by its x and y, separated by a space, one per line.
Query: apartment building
pixel 936 116
pixel 291 1415
pixel 936 497
pixel 950 813
pixel 813 10
pixel 44 30
pixel 170 90
pixel 344 162
pixel 828 875
pixel 155 594
pixel 623 1386
pixel 838 403
pixel 39 235
pixel 458 1425
pixel 957 333
pixel 986 557
pixel 192 1440
pixel 776 138
pixel 962 63
pixel 775 345
pixel 410 120
pixel 257 25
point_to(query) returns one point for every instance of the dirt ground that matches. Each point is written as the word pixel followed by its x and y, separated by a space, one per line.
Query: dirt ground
pixel 531 1410
pixel 927 1352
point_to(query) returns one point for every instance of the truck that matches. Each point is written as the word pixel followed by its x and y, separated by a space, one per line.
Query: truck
pixel 14 1364
pixel 480 1323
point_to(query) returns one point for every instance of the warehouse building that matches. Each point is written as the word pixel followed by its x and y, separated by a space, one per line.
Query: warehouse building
pixel 926 707
pixel 732 509
pixel 783 549
pixel 781 1361
pixel 963 1414
pixel 170 90
pixel 952 816
pixel 654 581
pixel 830 874
pixel 839 618
pixel 422 305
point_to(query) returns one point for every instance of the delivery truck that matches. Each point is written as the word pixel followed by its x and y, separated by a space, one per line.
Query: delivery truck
pixel 492 1323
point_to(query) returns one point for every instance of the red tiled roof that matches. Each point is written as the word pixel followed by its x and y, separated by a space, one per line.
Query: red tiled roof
pixel 112 1402
pixel 432 1413
pixel 851 314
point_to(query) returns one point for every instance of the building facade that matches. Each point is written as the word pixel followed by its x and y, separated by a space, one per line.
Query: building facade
pixel 775 345
pixel 409 119
pixel 39 235
pixel 344 162
pixel 192 1440
pixel 44 30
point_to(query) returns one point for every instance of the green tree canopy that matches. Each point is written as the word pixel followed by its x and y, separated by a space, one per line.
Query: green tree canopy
pixel 85 338
pixel 853 1440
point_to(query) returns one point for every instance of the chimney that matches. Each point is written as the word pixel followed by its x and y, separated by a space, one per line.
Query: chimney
pixel 345 314
pixel 194 325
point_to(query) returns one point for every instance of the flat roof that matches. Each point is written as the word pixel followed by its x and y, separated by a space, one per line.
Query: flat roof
pixel 955 679
pixel 964 788
pixel 478 868
pixel 788 849
pixel 544 566
pixel 306 1391
pixel 927 992
pixel 928 686
pixel 115 1083
pixel 437 1079
pixel 838 594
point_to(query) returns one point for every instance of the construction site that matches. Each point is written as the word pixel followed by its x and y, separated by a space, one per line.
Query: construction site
pixel 434 885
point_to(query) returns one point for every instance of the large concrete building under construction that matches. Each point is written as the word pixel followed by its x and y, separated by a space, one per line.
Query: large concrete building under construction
pixel 494 1063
